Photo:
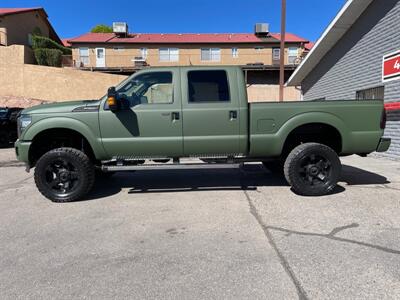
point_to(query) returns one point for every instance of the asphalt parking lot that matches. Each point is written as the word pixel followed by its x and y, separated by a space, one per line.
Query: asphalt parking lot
pixel 215 234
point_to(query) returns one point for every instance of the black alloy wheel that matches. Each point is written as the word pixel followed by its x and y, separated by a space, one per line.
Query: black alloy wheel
pixel 312 169
pixel 64 175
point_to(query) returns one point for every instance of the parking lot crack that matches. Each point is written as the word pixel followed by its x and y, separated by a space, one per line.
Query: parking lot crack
pixel 332 236
pixel 285 264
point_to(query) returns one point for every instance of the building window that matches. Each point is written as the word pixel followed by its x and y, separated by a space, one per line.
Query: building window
pixel 276 53
pixel 118 48
pixel 292 55
pixel 211 54
pixel 235 52
pixel 143 53
pixel 169 54
pixel 83 56
pixel 208 86
pixel 377 93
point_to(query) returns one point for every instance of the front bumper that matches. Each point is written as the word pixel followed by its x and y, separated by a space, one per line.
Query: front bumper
pixel 22 151
pixel 383 145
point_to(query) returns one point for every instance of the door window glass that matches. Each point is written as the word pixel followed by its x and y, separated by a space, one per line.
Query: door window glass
pixel 143 53
pixel 276 54
pixel 148 88
pixel 208 86
pixel 235 52
pixel 100 53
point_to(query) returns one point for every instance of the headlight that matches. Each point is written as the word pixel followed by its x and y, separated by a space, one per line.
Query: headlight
pixel 23 122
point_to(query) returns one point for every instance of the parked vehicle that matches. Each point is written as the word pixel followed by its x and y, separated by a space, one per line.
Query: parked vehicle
pixel 165 114
pixel 8 125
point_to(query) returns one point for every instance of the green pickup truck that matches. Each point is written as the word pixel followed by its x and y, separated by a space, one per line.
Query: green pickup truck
pixel 164 115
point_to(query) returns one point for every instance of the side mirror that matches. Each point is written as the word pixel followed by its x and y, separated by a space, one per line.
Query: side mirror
pixel 112 101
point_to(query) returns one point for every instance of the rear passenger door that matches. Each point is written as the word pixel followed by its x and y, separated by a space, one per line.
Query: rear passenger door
pixel 210 112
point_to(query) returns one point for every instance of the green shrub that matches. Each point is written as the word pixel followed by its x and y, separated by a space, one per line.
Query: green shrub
pixel 39 42
pixel 102 28
pixel 48 57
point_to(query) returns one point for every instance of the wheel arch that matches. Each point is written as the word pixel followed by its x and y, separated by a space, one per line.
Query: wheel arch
pixel 59 127
pixel 325 121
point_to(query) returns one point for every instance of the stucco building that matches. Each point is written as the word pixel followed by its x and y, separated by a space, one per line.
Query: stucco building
pixel 257 53
pixel 17 25
pixel 358 57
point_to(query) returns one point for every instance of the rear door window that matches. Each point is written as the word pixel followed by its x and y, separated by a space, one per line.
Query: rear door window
pixel 208 86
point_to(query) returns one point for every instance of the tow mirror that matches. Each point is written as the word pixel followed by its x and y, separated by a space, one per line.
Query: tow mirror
pixel 112 99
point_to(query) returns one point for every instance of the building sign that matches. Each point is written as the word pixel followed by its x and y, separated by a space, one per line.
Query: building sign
pixel 391 67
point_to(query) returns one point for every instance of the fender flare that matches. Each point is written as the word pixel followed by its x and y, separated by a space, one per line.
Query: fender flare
pixel 310 118
pixel 67 123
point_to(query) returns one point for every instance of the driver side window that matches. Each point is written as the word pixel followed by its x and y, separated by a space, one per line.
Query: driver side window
pixel 148 88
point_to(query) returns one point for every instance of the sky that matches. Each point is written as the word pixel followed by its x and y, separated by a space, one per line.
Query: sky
pixel 306 18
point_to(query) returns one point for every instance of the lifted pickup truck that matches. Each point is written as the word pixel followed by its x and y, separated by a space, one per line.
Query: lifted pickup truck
pixel 166 114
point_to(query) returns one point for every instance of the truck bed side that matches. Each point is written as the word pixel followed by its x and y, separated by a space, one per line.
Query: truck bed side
pixel 357 122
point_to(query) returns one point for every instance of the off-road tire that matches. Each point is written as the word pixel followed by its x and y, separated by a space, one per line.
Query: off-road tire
pixel 83 170
pixel 312 169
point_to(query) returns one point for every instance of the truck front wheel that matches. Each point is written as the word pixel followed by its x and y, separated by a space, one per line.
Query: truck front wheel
pixel 64 175
pixel 312 169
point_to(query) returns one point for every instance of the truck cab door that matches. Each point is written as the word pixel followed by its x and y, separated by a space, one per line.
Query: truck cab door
pixel 210 112
pixel 150 125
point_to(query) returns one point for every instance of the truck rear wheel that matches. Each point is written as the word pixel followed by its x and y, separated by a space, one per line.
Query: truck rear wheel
pixel 64 175
pixel 312 169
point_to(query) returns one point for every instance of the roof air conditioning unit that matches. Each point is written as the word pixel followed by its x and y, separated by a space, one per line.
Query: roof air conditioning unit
pixel 120 28
pixel 261 29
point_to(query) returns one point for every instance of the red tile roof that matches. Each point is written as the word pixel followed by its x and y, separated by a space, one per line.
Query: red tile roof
pixel 309 45
pixel 11 11
pixel 175 38
pixel 65 43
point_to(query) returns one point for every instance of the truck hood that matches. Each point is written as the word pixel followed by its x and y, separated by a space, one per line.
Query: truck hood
pixel 63 107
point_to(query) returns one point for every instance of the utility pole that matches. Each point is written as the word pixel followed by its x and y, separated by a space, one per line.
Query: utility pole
pixel 282 52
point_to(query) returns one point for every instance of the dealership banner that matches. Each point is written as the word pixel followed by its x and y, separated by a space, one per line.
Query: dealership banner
pixel 391 67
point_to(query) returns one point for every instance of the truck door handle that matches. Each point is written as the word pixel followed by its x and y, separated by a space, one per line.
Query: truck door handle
pixel 232 114
pixel 175 116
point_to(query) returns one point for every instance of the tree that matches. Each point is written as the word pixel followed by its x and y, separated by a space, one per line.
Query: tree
pixel 101 28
